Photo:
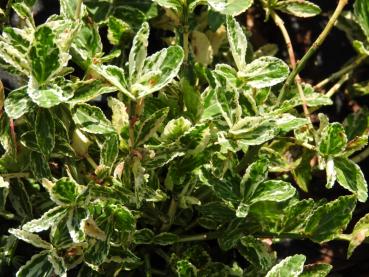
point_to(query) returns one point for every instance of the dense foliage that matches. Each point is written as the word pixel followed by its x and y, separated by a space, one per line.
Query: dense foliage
pixel 184 160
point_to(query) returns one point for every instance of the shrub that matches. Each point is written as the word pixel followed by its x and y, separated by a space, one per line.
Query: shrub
pixel 178 160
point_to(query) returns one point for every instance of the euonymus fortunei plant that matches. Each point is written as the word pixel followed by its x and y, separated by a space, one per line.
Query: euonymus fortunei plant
pixel 124 157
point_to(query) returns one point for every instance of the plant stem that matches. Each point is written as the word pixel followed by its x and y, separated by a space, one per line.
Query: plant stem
pixel 207 236
pixel 361 156
pixel 15 175
pixel 147 265
pixel 171 213
pixel 341 72
pixel 291 53
pixel 317 43
pixel 337 86
pixel 185 31
pixel 78 10
pixel 91 161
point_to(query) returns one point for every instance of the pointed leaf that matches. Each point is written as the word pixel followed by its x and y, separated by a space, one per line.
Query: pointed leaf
pixel 48 219
pixel 115 76
pixel 237 41
pixel 330 219
pixel 44 54
pixel 361 9
pixel 333 139
pixel 273 190
pixel 38 265
pixel 265 72
pixel 149 127
pixel 350 176
pixel 31 238
pixel 316 270
pixel 289 267
pixel 109 151
pixel 300 8
pixel 138 52
pixel 359 234
pixel 45 131
pixel 159 70
pixel 230 7
pixel 92 120
pixel 17 103
pixel 175 129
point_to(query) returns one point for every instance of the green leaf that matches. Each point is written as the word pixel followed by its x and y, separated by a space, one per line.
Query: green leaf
pixel 192 100
pixel 265 72
pixel 158 71
pixel 64 191
pixel 273 190
pixel 109 151
pixel 149 127
pixel 330 219
pixel 359 234
pixel 117 29
pixel 39 166
pixel 44 55
pixel 316 270
pixel 257 253
pixel 289 267
pixel 333 139
pixel 48 97
pixel 300 8
pixel 295 217
pixel 138 52
pixel 38 265
pixel 165 239
pixel 58 263
pixel 143 236
pixel 17 103
pixel 45 131
pixel 120 117
pixel 361 10
pixel 185 269
pixel 175 129
pixel 254 175
pixel 89 90
pixel 170 4
pixel 31 238
pixel 356 123
pixel 254 130
pixel 115 76
pixel 48 219
pixel 350 176
pixel 92 120
pixel 230 7
pixel 237 41
pixel 20 200
pixel 14 58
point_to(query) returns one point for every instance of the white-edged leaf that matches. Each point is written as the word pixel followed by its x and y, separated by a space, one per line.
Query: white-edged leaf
pixel 289 267
pixel 92 119
pixel 45 131
pixel 359 234
pixel 48 219
pixel 237 41
pixel 300 8
pixel 265 72
pixel 361 9
pixel 38 265
pixel 138 52
pixel 115 76
pixel 350 176
pixel 159 70
pixel 31 238
pixel 230 7
pixel 17 103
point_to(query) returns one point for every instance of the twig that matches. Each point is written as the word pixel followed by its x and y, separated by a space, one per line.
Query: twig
pixel 90 161
pixel 15 175
pixel 361 156
pixel 291 53
pixel 317 43
pixel 171 213
pixel 341 72
pixel 337 85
